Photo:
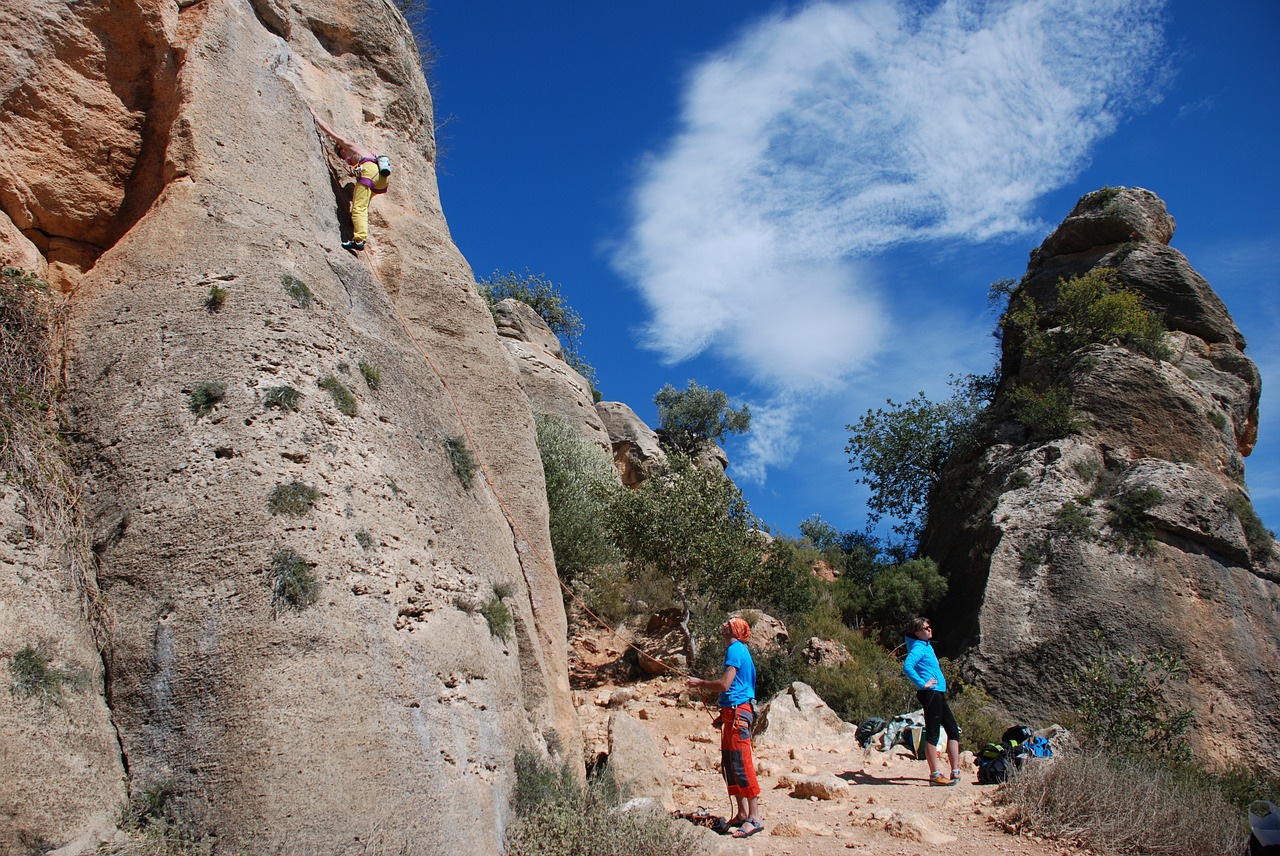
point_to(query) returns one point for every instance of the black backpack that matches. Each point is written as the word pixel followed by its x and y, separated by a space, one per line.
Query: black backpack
pixel 869 728
pixel 1006 757
pixel 1017 733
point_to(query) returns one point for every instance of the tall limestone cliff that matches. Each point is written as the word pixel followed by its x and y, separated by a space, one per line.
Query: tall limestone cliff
pixel 154 152
pixel 1137 524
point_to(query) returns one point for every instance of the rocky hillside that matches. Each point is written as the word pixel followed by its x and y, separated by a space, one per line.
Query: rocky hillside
pixel 1134 523
pixel 284 647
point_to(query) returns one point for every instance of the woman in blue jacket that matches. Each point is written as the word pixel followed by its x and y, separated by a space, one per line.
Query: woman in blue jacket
pixel 922 669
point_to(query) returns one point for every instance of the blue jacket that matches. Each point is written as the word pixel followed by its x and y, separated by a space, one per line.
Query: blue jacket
pixel 922 664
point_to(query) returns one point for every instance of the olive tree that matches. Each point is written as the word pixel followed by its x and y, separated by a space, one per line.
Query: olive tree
pixel 693 526
pixel 689 417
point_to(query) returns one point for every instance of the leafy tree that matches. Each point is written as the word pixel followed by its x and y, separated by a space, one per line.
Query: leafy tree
pixel 696 415
pixel 900 592
pixel 695 528
pixel 543 297
pixel 900 450
pixel 580 479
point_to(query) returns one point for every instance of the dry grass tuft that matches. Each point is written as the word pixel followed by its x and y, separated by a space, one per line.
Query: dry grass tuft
pixel 1118 805
pixel 33 455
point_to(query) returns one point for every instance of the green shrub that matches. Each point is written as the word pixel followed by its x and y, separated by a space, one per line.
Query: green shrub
pixel 293 583
pixel 297 290
pixel 461 459
pixel 980 718
pixel 372 374
pixel 283 398
pixel 498 614
pixel 1130 520
pixel 1019 480
pixel 1121 804
pixel 1072 518
pixel 557 816
pixel 293 498
pixel 579 478
pixel 217 298
pixel 205 395
pixel 697 415
pixel 1260 539
pixel 1122 702
pixel 364 538
pixel 1047 413
pixel 543 297
pixel 1217 419
pixel 342 396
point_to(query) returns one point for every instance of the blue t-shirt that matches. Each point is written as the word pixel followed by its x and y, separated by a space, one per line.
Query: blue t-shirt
pixel 743 688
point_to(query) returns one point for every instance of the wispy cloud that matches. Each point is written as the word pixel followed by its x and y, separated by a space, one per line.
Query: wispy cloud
pixel 820 137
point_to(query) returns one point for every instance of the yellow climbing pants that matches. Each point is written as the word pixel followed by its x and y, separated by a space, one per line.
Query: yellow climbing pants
pixel 360 196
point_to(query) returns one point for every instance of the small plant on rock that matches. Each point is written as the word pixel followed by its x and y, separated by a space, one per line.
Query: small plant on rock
pixel 364 538
pixel 1260 539
pixel 498 614
pixel 297 290
pixel 293 583
pixel 35 677
pixel 294 499
pixel 283 398
pixel 463 461
pixel 342 396
pixel 217 298
pixel 1130 520
pixel 1072 518
pixel 205 395
pixel 372 374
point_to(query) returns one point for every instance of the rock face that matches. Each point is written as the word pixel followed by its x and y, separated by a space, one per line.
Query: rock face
pixel 552 385
pixel 1138 524
pixel 389 708
pixel 636 450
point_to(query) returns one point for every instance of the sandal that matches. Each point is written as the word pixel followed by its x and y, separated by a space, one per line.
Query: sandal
pixel 749 828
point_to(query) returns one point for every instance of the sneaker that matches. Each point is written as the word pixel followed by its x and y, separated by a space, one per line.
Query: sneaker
pixel 955 776
pixel 941 778
pixel 357 246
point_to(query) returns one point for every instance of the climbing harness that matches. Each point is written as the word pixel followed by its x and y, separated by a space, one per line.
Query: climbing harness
pixel 383 172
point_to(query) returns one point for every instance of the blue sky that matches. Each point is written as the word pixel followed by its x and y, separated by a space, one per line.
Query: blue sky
pixel 803 203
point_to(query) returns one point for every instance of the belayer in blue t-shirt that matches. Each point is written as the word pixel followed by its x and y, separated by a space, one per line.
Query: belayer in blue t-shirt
pixel 737 688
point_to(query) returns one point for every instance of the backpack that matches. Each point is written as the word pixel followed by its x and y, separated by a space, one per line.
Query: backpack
pixel 997 760
pixel 1040 747
pixel 868 729
pixel 1017 733
pixel 992 751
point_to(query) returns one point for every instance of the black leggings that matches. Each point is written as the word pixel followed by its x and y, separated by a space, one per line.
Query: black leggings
pixel 937 716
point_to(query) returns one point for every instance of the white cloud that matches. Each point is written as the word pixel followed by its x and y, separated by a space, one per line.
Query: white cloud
pixel 820 137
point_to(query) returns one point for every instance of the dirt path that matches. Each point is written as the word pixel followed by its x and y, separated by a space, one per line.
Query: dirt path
pixel 889 809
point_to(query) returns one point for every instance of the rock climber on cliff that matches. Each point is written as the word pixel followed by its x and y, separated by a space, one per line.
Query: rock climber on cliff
pixel 372 175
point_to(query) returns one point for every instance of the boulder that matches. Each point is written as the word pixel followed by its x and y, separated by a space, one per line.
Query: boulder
pixel 798 718
pixel 767 633
pixel 823 786
pixel 636 450
pixel 135 165
pixel 635 759
pixel 824 652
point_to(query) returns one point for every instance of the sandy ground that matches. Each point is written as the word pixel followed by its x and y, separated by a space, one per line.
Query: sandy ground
pixel 890 807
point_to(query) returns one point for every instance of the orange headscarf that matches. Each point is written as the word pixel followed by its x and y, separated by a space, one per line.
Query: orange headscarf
pixel 739 628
